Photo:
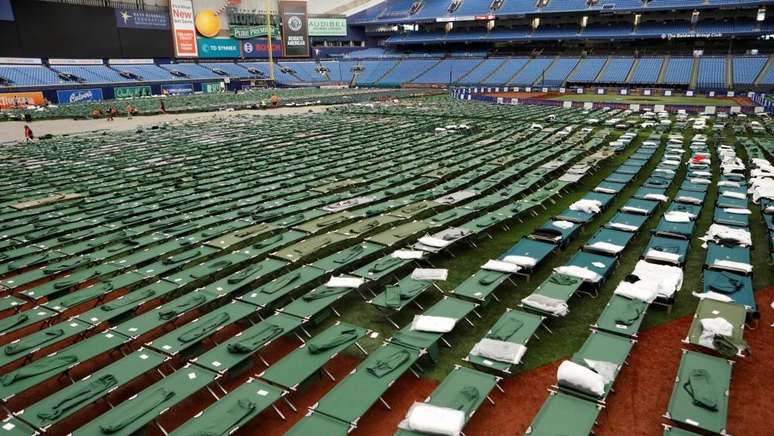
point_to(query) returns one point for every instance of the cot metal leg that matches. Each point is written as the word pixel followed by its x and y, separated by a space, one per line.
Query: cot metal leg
pixel 328 373
pixel 333 309
pixel 220 386
pixel 291 405
pixel 276 409
pixel 445 342
pixel 163 431
pixel 298 337
pixel 305 332
pixel 389 320
pixel 362 350
pixel 418 305
pixel 490 400
pixel 385 403
pixel 213 393
pixel 496 298
pixel 263 360
pixel 546 327
pixel 468 321
pixel 499 388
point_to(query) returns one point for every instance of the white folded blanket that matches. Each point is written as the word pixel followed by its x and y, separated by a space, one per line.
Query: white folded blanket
pixel 606 247
pixel 732 266
pixel 345 282
pixel 698 180
pixel 435 420
pixel 636 210
pixel 729 183
pixel 703 174
pixel 636 291
pixel 663 256
pixel 605 190
pixel 731 194
pixel 501 351
pixel 562 224
pixel 687 199
pixel 407 254
pixel 522 261
pixel 624 227
pixel 674 163
pixel 713 296
pixel 678 217
pixel 433 324
pixel 588 206
pixel 580 272
pixel 546 304
pixel 580 378
pixel 738 211
pixel 434 242
pixel 718 232
pixel 658 197
pixel 712 327
pixel 500 266
pixel 430 274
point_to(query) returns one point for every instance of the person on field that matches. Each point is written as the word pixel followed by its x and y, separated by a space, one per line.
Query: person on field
pixel 28 135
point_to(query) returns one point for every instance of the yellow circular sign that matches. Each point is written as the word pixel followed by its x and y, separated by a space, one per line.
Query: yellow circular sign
pixel 207 23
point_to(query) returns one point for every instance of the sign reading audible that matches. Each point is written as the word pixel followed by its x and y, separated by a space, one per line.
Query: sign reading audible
pixel 294 28
pixel 132 91
pixel 78 95
pixel 327 27
pixel 183 29
pixel 218 48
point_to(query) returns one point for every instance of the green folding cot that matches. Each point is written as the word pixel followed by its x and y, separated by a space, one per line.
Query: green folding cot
pixel 355 394
pixel 300 217
pixel 483 223
pixel 675 230
pixel 396 297
pixel 666 250
pixel 177 262
pixel 718 254
pixel 148 405
pixel 310 247
pixel 414 209
pixel 463 389
pixel 559 287
pixel 737 287
pixel 565 415
pixel 622 316
pixel 645 193
pixel 192 333
pixel 513 326
pixel 96 291
pixel 601 347
pixel 367 225
pixel 311 357
pixel 722 216
pixel 316 424
pixel 11 303
pixel 14 427
pixel 382 268
pixel 556 232
pixel 246 277
pixel 693 209
pixel 242 346
pixel 234 410
pixel 348 257
pixel 627 222
pixel 316 304
pixel 674 431
pixel 71 280
pixel 325 222
pixel 279 288
pixel 27 347
pixel 399 233
pixel 167 313
pixel 128 303
pixel 481 285
pixel 727 346
pixel 640 207
pixel 59 362
pixel 48 271
pixel 448 307
pixel 700 392
pixel 213 268
pixel 242 236
pixel 90 389
pixel 609 241
pixel 25 319
pixel 690 197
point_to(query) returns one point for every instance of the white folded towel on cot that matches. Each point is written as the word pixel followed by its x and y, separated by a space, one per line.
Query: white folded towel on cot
pixel 636 210
pixel 434 242
pixel 580 378
pixel 562 224
pixel 522 261
pixel 501 351
pixel 678 217
pixel 436 420
pixel 712 327
pixel 407 254
pixel 430 274
pixel 698 180
pixel 737 211
pixel 588 206
pixel 731 194
pixel 732 266
pixel 729 183
pixel 636 291
pixel 500 266
pixel 605 190
pixel 662 256
pixel 345 282
pixel 433 324
pixel 713 296
pixel 606 247
pixel 658 197
pixel 550 305
pixel 624 227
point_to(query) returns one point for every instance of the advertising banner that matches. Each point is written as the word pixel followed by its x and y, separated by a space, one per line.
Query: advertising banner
pixel 294 28
pixel 327 27
pixel 247 32
pixel 259 48
pixel 218 47
pixel 177 89
pixel 78 95
pixel 181 15
pixel 132 19
pixel 132 91
pixel 6 11
pixel 212 87
pixel 20 99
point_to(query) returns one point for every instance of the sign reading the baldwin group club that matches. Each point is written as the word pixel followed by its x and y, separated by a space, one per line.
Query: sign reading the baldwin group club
pixel 294 28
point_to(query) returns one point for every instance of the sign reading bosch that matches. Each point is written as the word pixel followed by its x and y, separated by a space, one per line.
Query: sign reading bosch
pixel 218 48
pixel 178 89
pixel 78 95
pixel 132 19
pixel 294 28
pixel 259 48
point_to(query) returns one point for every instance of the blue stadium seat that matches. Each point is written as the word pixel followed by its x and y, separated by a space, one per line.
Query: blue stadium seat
pixel 407 70
pixel 511 67
pixel 447 71
pixel 92 73
pixel 373 70
pixel 231 69
pixel 617 70
pixel 29 75
pixel 483 71
pixel 712 73
pixel 532 72
pixel 588 70
pixel 559 71
pixel 151 73
pixel 647 71
pixel 193 71
pixel 678 71
pixel 747 68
